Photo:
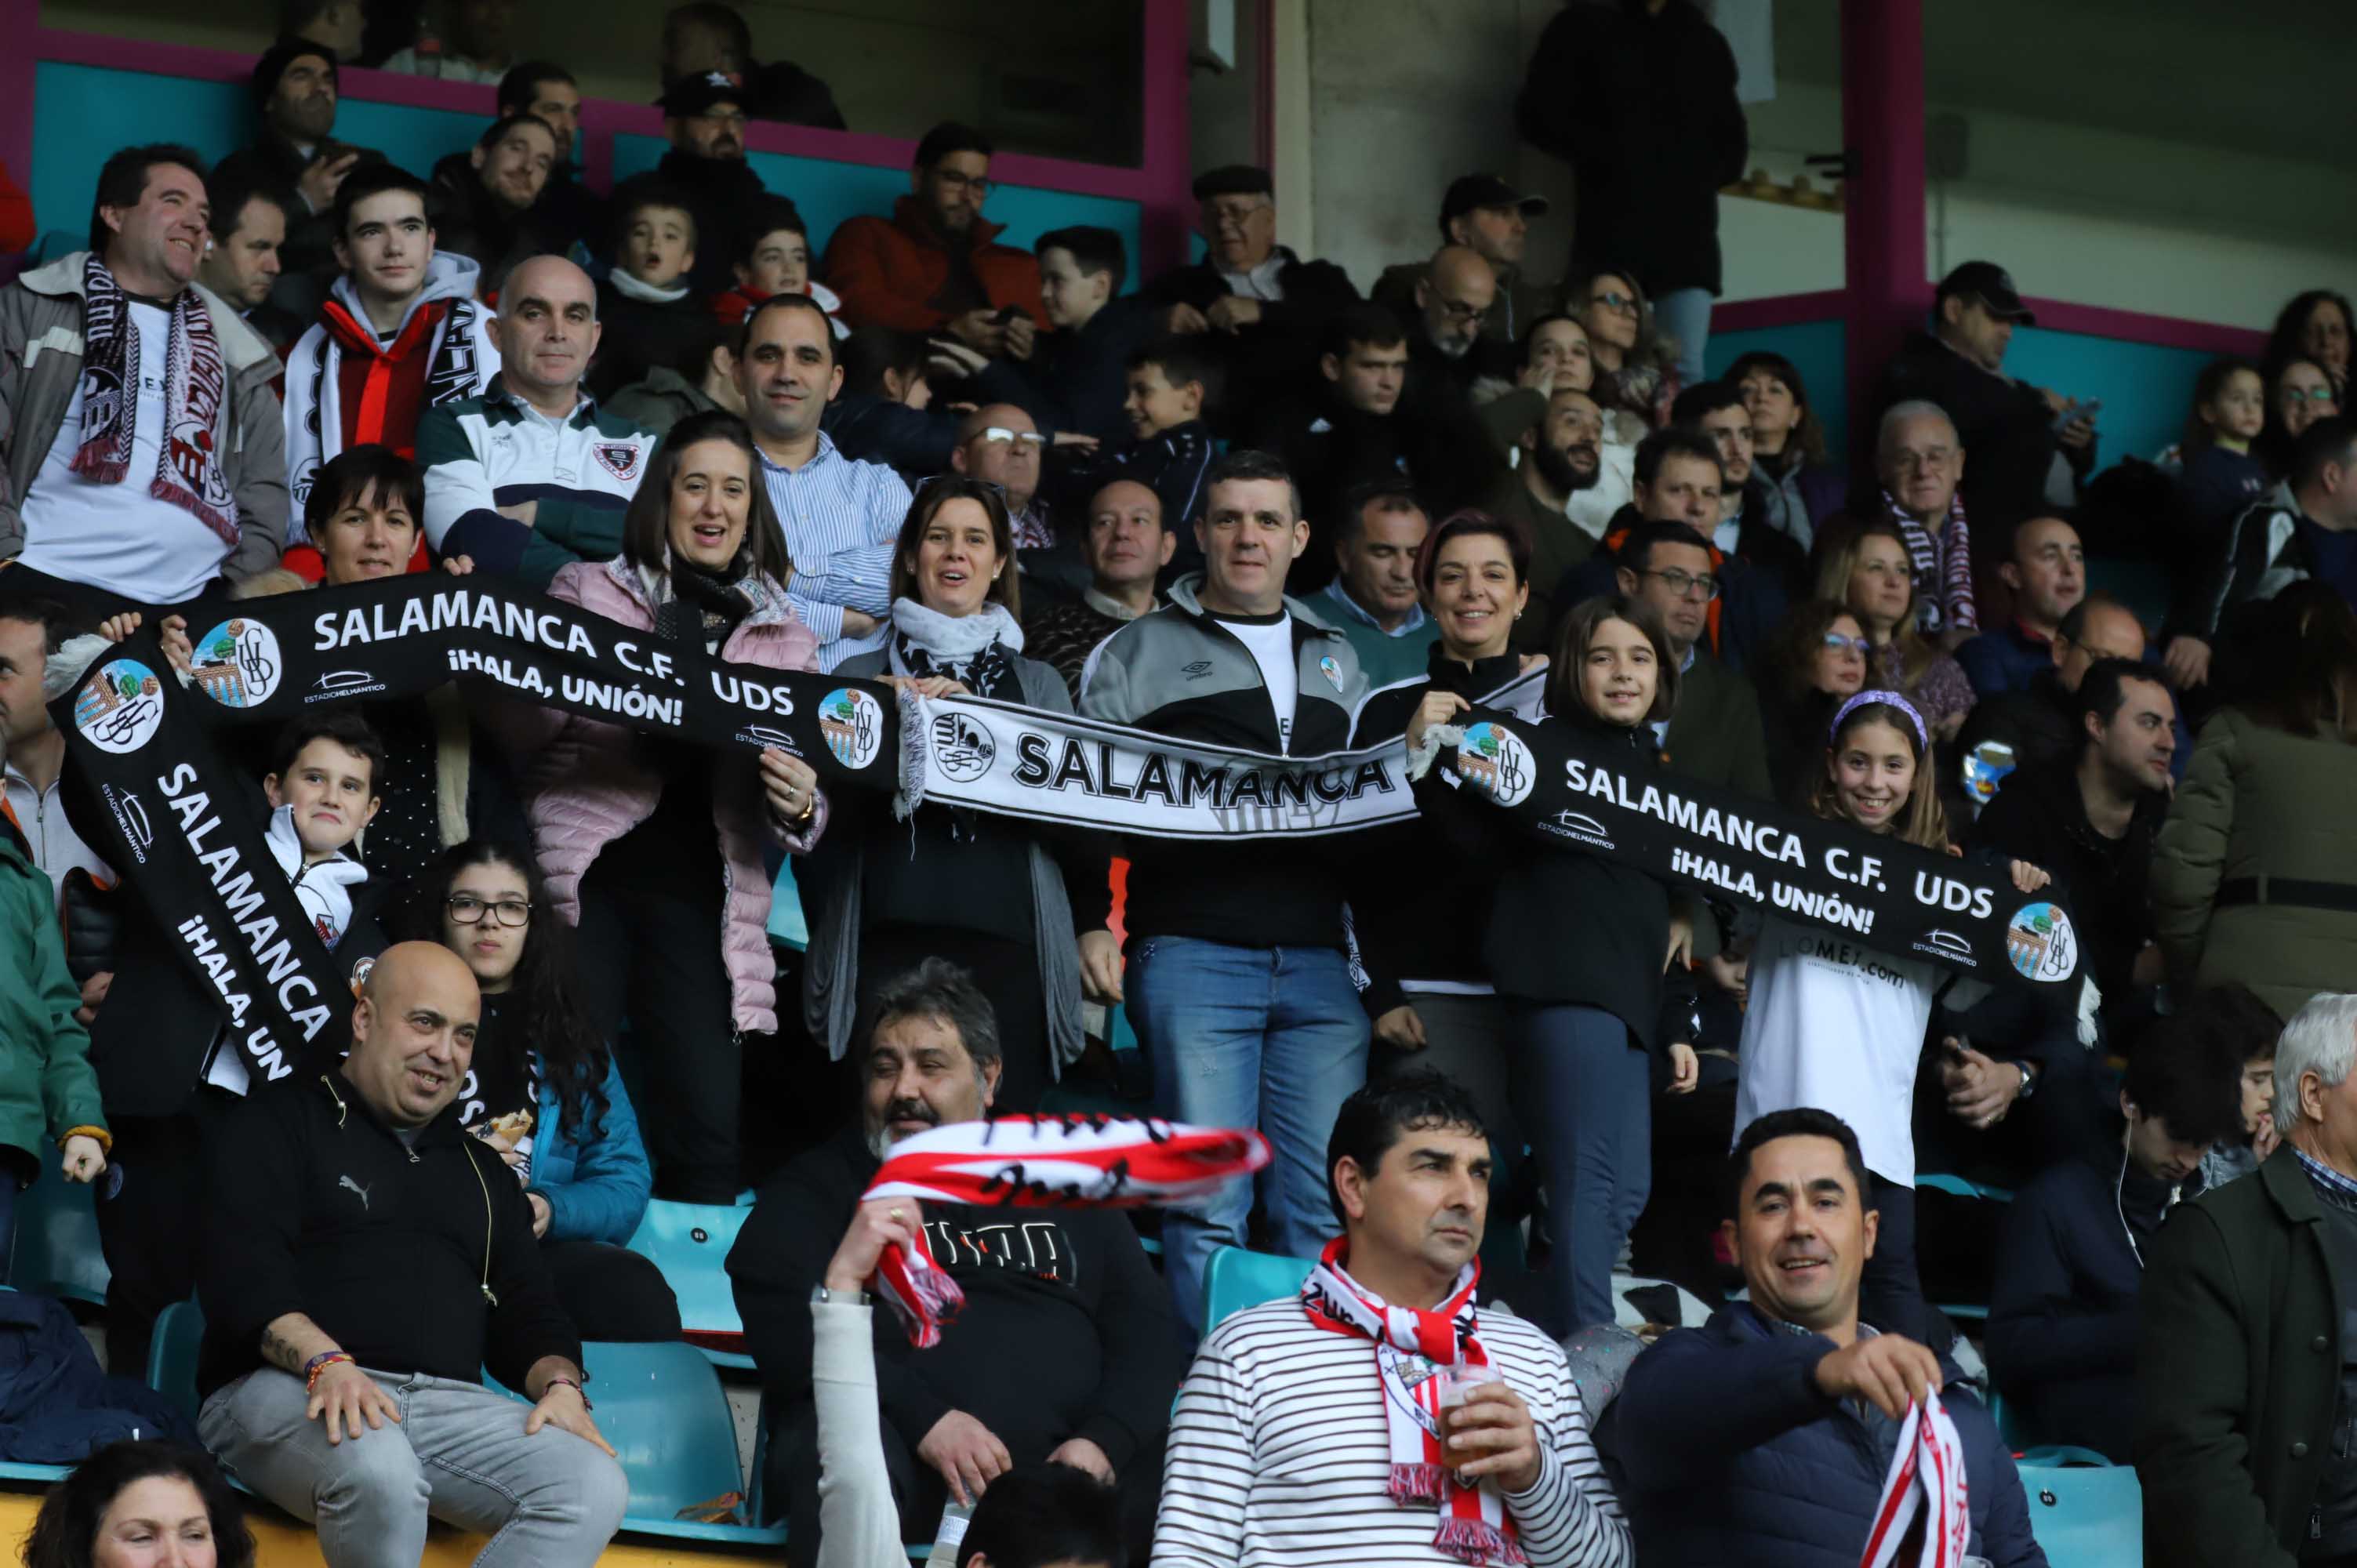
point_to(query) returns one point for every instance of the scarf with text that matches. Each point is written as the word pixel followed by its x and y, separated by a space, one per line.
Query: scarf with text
pixel 1041 1162
pixel 1922 1519
pixel 357 390
pixel 1943 567
pixel 195 383
pixel 1424 1355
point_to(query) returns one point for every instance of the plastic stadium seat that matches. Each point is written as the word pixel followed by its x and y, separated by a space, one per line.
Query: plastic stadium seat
pixel 1238 1279
pixel 1962 1187
pixel 663 1408
pixel 172 1354
pixel 57 1249
pixel 689 1242
pixel 2087 1517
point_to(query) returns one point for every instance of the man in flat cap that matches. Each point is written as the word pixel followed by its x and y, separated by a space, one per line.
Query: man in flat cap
pixel 1490 218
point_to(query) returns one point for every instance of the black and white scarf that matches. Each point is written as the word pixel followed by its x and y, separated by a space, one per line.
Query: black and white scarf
pixel 196 383
pixel 977 650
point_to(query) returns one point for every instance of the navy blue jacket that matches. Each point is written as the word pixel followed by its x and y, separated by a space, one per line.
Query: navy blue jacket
pixel 2003 660
pixel 56 1406
pixel 1727 1453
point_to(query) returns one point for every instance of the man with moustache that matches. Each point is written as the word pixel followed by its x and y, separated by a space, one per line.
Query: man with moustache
pixel 293 88
pixel 1562 455
pixel 1066 1350
pixel 935 264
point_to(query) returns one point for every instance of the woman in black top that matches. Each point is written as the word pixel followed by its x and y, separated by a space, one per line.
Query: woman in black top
pixel 1816 662
pixel 1000 897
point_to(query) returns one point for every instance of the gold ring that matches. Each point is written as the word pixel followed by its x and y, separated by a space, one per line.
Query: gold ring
pixel 898 1216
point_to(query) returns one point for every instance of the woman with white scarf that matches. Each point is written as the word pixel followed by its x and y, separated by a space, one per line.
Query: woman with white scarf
pixel 1000 897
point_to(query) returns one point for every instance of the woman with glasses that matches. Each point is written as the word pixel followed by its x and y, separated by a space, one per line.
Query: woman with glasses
pixel 545 1090
pixel 654 852
pixel 1022 906
pixel 2300 391
pixel 1872 572
pixel 1816 662
pixel 1636 368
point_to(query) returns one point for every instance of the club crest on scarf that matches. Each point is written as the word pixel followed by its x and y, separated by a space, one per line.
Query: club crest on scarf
pixel 196 380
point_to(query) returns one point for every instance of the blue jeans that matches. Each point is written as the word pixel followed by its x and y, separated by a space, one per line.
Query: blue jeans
pixel 1685 314
pixel 1266 1037
pixel 1585 1105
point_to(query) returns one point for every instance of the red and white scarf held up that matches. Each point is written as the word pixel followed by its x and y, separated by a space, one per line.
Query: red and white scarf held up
pixel 195 383
pixel 1927 1483
pixel 1041 1162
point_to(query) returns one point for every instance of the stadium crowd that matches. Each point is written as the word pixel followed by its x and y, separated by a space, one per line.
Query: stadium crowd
pixel 1607 1190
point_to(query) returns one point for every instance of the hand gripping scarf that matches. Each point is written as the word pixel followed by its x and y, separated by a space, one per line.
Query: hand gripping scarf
pixel 1041 1162
pixel 196 380
pixel 1414 1349
pixel 1926 1479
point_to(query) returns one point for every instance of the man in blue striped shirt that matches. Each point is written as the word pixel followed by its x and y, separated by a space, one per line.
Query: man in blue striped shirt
pixel 842 517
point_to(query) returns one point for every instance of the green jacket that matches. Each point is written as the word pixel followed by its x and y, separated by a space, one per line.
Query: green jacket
pixel 2238 1371
pixel 46 1086
pixel 1714 735
pixel 659 400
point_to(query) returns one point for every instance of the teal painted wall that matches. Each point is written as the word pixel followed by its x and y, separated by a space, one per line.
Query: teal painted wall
pixel 1816 348
pixel 2145 389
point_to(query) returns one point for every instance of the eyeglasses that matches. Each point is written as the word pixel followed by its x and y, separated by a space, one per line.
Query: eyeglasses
pixel 1838 643
pixel 952 180
pixel 999 433
pixel 1685 586
pixel 2314 395
pixel 733 118
pixel 1620 302
pixel 1457 310
pixel 470 910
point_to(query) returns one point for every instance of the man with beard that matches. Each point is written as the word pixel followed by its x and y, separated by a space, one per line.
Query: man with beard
pixel 486 195
pixel 242 261
pixel 294 91
pixel 1744 530
pixel 1066 1350
pixel 1562 456
pixel 704 116
pixel 567 212
pixel 934 266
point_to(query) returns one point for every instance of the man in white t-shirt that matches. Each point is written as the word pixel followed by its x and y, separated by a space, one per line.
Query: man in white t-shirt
pixel 1239 986
pixel 141 458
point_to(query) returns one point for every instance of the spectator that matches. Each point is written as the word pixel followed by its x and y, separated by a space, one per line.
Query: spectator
pixel 293 88
pixel 841 515
pixel 1587 998
pixel 1746 528
pixel 1065 1350
pixel 1792 1392
pixel 2299 392
pixel 887 413
pixel 2250 872
pixel 646 856
pixel 2039 724
pixel 1448 351
pixel 1788 445
pixel 647 301
pixel 242 261
pixel 547 1097
pixel 106 504
pixel 1817 663
pixel 1078 369
pixel 1172 384
pixel 1490 218
pixel 2008 427
pixel 1282 1439
pixel 318 1310
pixel 1714 734
pixel 1022 908
pixel 2221 474
pixel 400 334
pixel 2310 532
pixel 773 256
pixel 1641 102
pixel 567 213
pixel 1555 357
pixel 2062 1320
pixel 2047 570
pixel 1373 599
pixel 530 477
pixel 480 48
pixel 1240 988
pixel 698 375
pixel 1260 310
pixel 487 197
pixel 337 25
pixel 2234 1412
pixel 127 1497
pixel 1873 572
pixel 1124 544
pixel 1636 367
pixel 1000 445
pixel 32 630
pixel 703 117
pixel 2315 325
pixel 1839 1026
pixel 2251 1028
pixel 1562 463
pixel 935 265
pixel 168 1068
pixel 709 36
pixel 2092 819
pixel 1921 462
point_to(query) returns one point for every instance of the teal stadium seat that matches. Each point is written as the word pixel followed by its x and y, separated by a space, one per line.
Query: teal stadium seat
pixel 57 1249
pixel 689 1242
pixel 2090 1516
pixel 172 1354
pixel 1238 1279
pixel 663 1410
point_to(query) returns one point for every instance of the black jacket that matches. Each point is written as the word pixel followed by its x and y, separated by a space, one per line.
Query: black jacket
pixel 2040 816
pixel 2007 430
pixel 1262 362
pixel 307 258
pixel 569 213
pixel 919 441
pixel 413 1260
pixel 1080 378
pixel 1430 439
pixel 1066 1331
pixel 2041 722
pixel 721 193
pixel 469 221
pixel 638 335
pixel 784 92
pixel 1643 109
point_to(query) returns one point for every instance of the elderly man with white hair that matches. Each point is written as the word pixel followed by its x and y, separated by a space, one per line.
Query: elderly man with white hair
pixel 2247 1356
pixel 1920 461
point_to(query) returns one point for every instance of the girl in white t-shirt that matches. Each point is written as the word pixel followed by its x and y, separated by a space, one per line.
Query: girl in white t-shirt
pixel 1837 1026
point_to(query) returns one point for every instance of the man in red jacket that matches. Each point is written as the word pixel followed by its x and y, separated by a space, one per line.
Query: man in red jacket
pixel 932 267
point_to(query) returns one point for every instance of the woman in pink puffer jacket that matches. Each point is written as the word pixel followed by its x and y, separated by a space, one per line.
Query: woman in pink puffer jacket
pixel 651 847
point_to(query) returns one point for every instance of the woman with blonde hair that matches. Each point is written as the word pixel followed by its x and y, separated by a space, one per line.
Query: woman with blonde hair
pixel 1872 571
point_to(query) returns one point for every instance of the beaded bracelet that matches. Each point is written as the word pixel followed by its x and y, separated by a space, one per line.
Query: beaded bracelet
pixel 319 1364
pixel 569 1383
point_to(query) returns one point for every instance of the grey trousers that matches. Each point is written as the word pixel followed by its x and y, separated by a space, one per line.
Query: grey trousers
pixel 459 1454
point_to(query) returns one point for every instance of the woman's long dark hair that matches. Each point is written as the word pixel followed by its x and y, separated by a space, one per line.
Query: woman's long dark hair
pixel 549 1017
pixel 2274 443
pixel 931 497
pixel 1579 628
pixel 2288 341
pixel 646 523
pixel 67 1527
pixel 1808 438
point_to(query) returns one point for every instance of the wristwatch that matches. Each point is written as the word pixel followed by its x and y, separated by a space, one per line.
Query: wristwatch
pixel 820 1295
pixel 2028 1080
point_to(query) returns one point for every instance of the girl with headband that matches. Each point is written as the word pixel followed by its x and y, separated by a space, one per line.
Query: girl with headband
pixel 1835 1024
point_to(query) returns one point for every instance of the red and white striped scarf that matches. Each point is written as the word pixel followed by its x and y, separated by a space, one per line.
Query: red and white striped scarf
pixel 1042 1162
pixel 1414 1349
pixel 1926 1481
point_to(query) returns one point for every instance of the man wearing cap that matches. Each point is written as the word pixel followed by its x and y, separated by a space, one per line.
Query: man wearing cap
pixel 1262 305
pixel 1489 217
pixel 704 116
pixel 294 91
pixel 2007 425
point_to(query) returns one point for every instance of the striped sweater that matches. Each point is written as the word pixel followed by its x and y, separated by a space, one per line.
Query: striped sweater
pixel 1279 1455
